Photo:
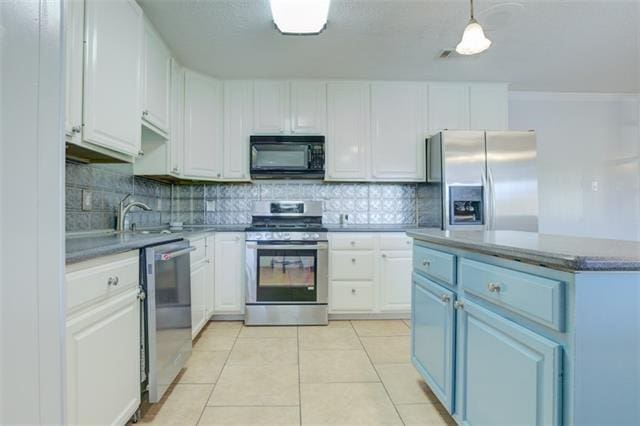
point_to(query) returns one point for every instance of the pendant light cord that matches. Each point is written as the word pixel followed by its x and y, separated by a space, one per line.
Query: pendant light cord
pixel 471 1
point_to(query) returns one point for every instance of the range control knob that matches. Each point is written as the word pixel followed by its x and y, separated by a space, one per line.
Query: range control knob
pixel 315 236
pixel 286 236
pixel 267 236
pixel 258 236
pixel 305 236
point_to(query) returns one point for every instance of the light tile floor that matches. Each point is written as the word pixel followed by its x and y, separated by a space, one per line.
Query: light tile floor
pixel 350 372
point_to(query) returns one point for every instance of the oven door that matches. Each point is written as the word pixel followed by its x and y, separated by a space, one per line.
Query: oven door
pixel 288 273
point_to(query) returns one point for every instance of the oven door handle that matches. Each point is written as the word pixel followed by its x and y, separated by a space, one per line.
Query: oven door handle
pixel 173 254
pixel 319 246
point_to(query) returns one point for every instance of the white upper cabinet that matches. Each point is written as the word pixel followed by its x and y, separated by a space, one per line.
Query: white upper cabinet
pixel 114 33
pixel 489 107
pixel 203 126
pixel 237 128
pixel 74 47
pixel 270 106
pixel 398 122
pixel 176 137
pixel 448 107
pixel 348 130
pixel 308 107
pixel 157 79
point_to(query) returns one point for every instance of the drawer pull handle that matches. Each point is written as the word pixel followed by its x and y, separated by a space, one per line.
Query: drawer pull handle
pixel 113 281
pixel 458 305
pixel 493 287
pixel 426 263
pixel 353 291
pixel 445 298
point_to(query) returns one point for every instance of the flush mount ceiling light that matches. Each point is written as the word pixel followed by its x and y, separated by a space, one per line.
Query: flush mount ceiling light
pixel 300 17
pixel 473 39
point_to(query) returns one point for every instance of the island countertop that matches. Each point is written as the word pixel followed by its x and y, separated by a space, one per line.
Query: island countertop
pixel 554 251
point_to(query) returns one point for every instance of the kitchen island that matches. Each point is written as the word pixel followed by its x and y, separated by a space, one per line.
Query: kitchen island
pixel 526 328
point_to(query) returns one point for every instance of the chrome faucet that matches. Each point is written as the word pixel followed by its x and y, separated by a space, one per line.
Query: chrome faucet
pixel 124 209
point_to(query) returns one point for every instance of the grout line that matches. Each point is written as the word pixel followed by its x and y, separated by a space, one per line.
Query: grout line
pixel 377 374
pixel 299 378
pixel 206 404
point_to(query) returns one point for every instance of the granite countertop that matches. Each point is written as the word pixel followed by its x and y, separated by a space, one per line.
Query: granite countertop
pixel 85 246
pixel 373 228
pixel 554 251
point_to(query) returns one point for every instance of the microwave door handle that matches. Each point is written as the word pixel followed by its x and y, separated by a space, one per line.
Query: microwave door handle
pixel 173 254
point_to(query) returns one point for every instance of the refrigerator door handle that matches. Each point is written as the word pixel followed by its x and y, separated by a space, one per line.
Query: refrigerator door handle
pixel 486 195
pixel 491 201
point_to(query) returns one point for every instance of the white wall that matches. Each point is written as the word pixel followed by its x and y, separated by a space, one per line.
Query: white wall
pixel 32 362
pixel 588 161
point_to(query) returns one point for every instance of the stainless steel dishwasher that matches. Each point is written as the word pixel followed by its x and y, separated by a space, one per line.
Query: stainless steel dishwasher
pixel 167 282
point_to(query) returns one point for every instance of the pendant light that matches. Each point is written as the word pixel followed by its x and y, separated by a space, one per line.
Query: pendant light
pixel 473 39
pixel 300 17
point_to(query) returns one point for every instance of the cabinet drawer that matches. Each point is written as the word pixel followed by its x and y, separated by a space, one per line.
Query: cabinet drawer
pixel 395 242
pixel 351 296
pixel 352 265
pixel 200 252
pixel 537 298
pixel 436 264
pixel 102 277
pixel 355 241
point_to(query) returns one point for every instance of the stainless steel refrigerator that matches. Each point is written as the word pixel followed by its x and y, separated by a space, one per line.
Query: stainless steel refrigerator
pixel 488 179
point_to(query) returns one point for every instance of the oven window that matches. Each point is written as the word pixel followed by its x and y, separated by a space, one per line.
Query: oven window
pixel 279 157
pixel 286 276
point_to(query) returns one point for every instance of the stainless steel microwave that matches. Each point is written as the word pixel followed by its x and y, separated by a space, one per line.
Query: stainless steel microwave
pixel 287 157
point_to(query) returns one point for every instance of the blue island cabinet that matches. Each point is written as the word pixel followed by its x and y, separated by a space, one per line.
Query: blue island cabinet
pixel 508 374
pixel 433 334
pixel 505 342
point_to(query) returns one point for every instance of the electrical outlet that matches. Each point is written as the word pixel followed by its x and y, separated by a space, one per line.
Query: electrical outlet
pixel 594 186
pixel 211 206
pixel 87 199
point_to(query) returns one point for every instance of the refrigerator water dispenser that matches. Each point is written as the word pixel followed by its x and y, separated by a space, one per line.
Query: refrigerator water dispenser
pixel 465 205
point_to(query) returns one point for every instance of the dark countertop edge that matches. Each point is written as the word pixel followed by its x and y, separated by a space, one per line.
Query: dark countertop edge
pixel 551 260
pixel 118 247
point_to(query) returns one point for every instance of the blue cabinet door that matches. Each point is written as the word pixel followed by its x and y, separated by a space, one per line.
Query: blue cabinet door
pixel 509 375
pixel 432 336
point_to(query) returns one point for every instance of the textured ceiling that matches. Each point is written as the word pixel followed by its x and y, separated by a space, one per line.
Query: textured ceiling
pixel 563 45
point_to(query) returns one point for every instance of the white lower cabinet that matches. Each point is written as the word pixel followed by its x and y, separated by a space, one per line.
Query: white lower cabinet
pixel 103 340
pixel 369 273
pixel 229 273
pixel 395 280
pixel 198 294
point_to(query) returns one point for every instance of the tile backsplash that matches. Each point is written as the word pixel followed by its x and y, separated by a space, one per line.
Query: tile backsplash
pixel 107 184
pixel 227 203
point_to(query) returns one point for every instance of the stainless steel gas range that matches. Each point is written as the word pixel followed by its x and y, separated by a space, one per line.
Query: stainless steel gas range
pixel 286 262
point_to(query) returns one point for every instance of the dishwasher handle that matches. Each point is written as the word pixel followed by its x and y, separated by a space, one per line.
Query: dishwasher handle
pixel 173 254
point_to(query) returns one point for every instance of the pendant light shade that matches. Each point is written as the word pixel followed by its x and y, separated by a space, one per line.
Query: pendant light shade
pixel 473 39
pixel 300 16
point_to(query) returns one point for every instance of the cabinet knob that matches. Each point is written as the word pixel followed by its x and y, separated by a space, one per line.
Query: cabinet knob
pixel 145 113
pixel 353 243
pixel 175 170
pixel 113 281
pixel 76 129
pixel 353 259
pixel 353 291
pixel 493 287
pixel 384 254
pixel 141 294
pixel 218 175
pixel 458 304
pixel 408 242
pixel 426 263
pixel 445 298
